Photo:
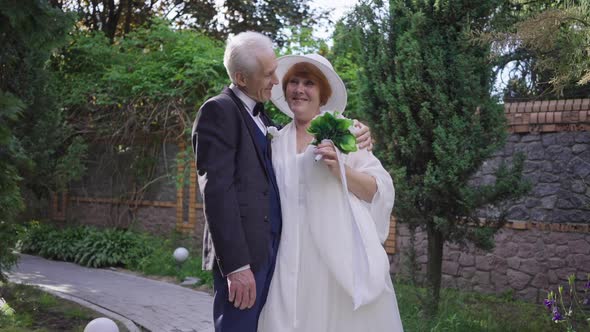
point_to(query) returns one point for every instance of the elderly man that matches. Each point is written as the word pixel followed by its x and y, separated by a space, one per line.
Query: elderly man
pixel 238 185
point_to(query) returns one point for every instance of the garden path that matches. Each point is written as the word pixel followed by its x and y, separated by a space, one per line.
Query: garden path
pixel 135 301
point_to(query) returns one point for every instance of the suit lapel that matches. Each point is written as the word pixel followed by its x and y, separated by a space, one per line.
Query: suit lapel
pixel 250 124
pixel 267 120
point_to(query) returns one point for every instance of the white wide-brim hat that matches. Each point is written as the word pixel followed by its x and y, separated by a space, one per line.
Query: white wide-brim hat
pixel 336 102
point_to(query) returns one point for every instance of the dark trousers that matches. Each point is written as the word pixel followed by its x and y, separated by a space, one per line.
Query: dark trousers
pixel 231 319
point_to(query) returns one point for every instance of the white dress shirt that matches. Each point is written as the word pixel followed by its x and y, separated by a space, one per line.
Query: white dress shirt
pixel 249 103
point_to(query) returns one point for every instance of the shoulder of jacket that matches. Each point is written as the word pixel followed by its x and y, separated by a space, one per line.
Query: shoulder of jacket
pixel 221 98
pixel 220 103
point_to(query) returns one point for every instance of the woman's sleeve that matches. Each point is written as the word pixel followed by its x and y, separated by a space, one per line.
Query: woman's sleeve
pixel 382 204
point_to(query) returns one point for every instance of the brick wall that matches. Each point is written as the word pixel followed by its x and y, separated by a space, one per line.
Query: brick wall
pixel 164 207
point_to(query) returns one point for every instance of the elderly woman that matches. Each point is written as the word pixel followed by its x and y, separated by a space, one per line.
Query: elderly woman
pixel 332 273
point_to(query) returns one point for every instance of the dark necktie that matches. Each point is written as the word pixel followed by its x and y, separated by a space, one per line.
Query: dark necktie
pixel 258 109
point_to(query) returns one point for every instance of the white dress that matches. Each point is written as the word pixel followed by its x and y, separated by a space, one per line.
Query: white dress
pixel 332 273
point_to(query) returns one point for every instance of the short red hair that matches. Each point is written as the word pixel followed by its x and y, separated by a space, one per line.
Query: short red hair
pixel 309 71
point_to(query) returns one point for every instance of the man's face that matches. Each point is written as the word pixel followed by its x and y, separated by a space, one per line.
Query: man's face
pixel 258 85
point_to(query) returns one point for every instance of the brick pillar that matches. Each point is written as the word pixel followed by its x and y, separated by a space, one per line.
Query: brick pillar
pixel 390 242
pixel 58 205
pixel 192 210
pixel 190 225
pixel 180 193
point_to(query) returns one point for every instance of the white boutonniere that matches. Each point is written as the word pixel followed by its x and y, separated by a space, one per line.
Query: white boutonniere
pixel 271 132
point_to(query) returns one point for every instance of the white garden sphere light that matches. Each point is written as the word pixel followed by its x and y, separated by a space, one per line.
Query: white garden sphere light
pixel 180 254
pixel 101 324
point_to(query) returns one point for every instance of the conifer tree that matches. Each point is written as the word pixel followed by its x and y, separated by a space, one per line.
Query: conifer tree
pixel 426 91
pixel 544 45
pixel 37 148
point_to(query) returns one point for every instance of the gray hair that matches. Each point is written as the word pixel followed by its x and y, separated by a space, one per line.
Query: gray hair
pixel 242 50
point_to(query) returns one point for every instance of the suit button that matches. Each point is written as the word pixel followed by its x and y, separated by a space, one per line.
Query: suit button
pixel 265 218
pixel 265 193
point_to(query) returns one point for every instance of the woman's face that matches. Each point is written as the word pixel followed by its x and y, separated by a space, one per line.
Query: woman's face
pixel 303 97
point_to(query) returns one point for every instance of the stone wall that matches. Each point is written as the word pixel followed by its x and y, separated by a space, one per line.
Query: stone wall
pixel 548 236
pixel 558 167
pixel 525 262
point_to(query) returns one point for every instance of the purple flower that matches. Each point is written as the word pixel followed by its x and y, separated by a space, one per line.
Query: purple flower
pixel 587 286
pixel 556 315
pixel 549 303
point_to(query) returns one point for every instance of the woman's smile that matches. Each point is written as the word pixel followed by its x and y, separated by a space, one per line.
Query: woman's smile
pixel 299 99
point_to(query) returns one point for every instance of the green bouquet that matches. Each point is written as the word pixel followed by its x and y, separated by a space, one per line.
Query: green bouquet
pixel 330 126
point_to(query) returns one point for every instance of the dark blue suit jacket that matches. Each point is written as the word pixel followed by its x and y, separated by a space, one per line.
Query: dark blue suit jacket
pixel 235 194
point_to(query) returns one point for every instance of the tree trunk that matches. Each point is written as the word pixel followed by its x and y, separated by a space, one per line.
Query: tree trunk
pixel 434 268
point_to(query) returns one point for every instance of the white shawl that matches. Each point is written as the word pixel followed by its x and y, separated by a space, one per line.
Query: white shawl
pixel 348 232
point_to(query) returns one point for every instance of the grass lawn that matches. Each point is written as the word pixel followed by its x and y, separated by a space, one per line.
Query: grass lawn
pixel 471 312
pixel 38 311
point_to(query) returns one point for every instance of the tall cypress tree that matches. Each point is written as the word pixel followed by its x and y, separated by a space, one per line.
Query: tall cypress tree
pixel 37 148
pixel 427 93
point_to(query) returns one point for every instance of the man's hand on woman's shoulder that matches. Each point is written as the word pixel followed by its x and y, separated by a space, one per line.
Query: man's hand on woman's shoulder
pixel 363 136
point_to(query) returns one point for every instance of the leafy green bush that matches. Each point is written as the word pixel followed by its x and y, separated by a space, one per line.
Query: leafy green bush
pixel 109 248
pixel 62 245
pixel 94 247
pixel 50 242
pixel 33 236
pixel 85 245
pixel 152 78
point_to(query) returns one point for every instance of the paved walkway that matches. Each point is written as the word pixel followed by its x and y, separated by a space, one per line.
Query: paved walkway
pixel 153 305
